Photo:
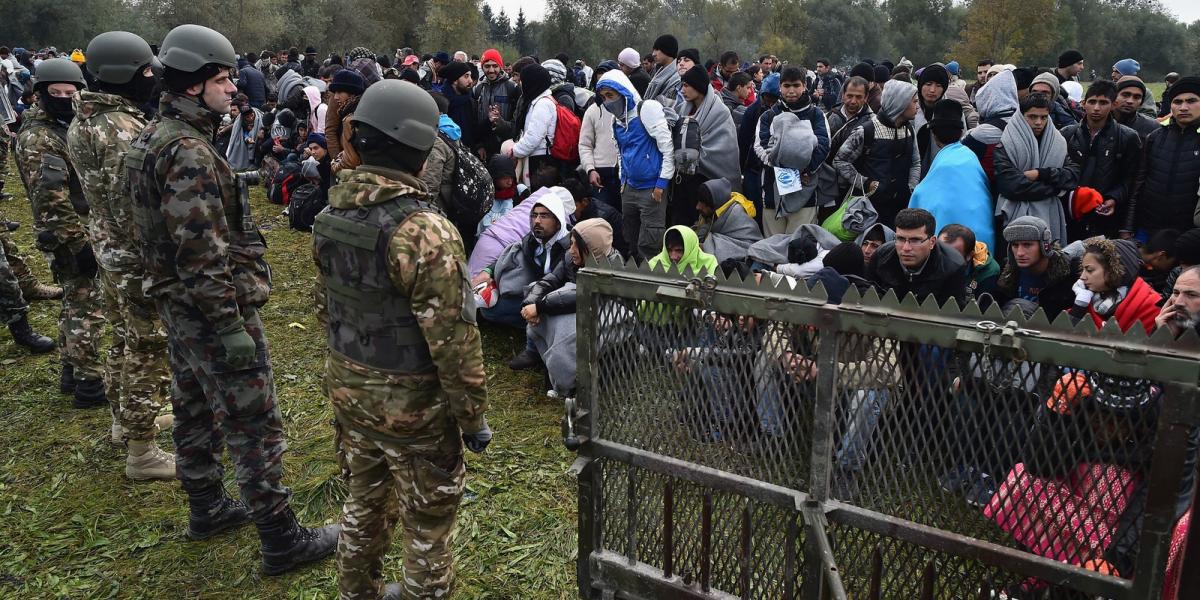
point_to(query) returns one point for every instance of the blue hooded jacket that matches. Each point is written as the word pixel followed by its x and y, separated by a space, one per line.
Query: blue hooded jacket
pixel 642 163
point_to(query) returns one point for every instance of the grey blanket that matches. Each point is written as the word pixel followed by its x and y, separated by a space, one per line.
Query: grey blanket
pixel 1027 152
pixel 774 250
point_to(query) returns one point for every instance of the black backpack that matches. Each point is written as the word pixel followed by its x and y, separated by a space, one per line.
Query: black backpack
pixel 286 179
pixel 472 186
pixel 307 202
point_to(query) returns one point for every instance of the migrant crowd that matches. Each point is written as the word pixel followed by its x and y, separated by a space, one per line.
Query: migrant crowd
pixel 1022 188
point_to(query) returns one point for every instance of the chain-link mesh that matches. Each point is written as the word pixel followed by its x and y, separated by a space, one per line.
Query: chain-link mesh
pixel 1044 458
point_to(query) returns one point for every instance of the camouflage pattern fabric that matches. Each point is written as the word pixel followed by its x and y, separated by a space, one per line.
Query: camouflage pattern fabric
pixel 16 262
pixel 204 265
pixel 58 216
pixel 198 237
pixel 429 481
pixel 12 302
pixel 136 366
pixel 399 433
pixel 105 126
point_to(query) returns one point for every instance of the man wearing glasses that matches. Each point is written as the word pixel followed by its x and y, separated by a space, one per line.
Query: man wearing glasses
pixel 915 261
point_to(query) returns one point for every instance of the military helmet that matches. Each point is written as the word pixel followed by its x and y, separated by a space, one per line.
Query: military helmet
pixel 189 48
pixel 59 70
pixel 402 111
pixel 116 56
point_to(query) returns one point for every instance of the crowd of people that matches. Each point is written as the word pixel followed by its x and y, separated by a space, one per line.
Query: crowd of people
pixel 441 189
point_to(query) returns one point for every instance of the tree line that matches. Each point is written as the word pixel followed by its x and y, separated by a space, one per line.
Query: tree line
pixel 1024 32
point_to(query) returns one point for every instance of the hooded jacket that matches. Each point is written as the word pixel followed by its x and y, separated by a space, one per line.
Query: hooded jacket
pixel 316 108
pixel 731 229
pixel 551 295
pixel 252 83
pixel 1056 296
pixel 997 103
pixel 288 84
pixel 531 259
pixel 737 109
pixel 695 261
pixel 944 274
pixel 540 122
pixel 643 136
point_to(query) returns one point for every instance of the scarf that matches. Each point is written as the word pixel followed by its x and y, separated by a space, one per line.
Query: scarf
pixel 1027 152
pixel 1105 303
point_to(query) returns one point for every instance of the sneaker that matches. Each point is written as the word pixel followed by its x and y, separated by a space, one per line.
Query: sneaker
pixel 981 491
pixel 147 461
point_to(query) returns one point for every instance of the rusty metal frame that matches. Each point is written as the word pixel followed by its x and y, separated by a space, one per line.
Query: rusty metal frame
pixel 1037 339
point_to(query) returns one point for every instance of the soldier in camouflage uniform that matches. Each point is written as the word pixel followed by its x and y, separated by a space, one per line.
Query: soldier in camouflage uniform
pixel 13 311
pixel 106 122
pixel 405 368
pixel 59 214
pixel 31 288
pixel 204 267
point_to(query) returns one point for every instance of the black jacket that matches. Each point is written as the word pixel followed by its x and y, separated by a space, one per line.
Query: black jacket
pixel 1108 163
pixel 944 274
pixel 1056 297
pixel 1012 184
pixel 640 80
pixel 1165 194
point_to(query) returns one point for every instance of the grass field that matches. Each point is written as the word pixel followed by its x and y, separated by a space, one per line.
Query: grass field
pixel 72 526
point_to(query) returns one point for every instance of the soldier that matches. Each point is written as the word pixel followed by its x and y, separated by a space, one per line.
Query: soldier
pixel 405 372
pixel 31 288
pixel 106 123
pixel 13 311
pixel 59 214
pixel 204 268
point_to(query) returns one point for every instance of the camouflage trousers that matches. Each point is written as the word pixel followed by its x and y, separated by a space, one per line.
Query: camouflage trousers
pixel 81 325
pixel 136 365
pixel 17 263
pixel 418 487
pixel 217 406
pixel 12 302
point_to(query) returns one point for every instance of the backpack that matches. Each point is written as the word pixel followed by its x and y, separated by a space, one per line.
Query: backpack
pixel 307 201
pixel 685 136
pixel 565 146
pixel 286 179
pixel 472 187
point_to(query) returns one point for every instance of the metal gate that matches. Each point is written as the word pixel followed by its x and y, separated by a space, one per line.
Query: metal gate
pixel 751 440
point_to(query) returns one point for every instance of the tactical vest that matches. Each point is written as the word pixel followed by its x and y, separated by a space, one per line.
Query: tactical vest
pixel 55 169
pixel 370 322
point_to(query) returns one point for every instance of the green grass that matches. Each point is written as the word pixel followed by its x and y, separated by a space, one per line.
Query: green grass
pixel 72 526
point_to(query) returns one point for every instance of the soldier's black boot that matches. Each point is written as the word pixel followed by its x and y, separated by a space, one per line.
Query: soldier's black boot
pixel 286 544
pixel 24 335
pixel 89 393
pixel 212 512
pixel 66 379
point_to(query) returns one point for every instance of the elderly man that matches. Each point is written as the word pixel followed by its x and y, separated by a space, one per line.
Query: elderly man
pixel 1181 311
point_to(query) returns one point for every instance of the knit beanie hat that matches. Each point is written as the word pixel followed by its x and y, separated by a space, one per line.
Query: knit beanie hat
pixel 557 71
pixel 318 139
pixel 691 53
pixel 410 76
pixel 952 67
pixel 1024 77
pixel 1069 58
pixel 349 81
pixel 1131 260
pixel 1187 247
pixel 935 73
pixel 770 85
pixel 630 58
pixel 863 70
pixel 1131 81
pixel 896 98
pixel 1186 85
pixel 534 80
pixel 454 70
pixel 1084 200
pixel 697 79
pixel 882 74
pixel 846 258
pixel 442 58
pixel 947 113
pixel 1049 79
pixel 1027 229
pixel 1127 66
pixel 667 44
pixel 491 54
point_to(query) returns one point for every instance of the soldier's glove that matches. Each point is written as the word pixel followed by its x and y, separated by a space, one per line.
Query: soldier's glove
pixel 239 346
pixel 85 262
pixel 478 442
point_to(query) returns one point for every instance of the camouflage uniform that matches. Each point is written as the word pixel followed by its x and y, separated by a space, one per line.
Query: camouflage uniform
pixel 12 302
pixel 59 212
pixel 204 267
pixel 104 127
pixel 405 375
pixel 16 262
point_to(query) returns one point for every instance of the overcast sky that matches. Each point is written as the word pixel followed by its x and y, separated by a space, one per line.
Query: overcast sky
pixel 1187 11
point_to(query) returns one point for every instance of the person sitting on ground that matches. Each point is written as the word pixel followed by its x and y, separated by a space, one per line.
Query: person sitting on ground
pixel 726 227
pixel 1158 259
pixel 504 180
pixel 1109 286
pixel 874 237
pixel 513 226
pixel 681 249
pixel 534 256
pixel 317 167
pixel 549 305
pixel 588 206
pixel 983 269
pixel 1036 270
pixel 916 262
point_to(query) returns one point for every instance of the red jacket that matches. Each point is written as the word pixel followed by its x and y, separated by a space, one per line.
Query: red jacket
pixel 1140 304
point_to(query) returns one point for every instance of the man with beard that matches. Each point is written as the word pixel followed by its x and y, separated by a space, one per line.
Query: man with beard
pixel 496 98
pixel 1181 311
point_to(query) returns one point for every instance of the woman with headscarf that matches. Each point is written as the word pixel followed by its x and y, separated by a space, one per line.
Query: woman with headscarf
pixel 1033 168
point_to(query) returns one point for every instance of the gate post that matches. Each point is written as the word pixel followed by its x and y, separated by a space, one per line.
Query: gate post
pixel 821 458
